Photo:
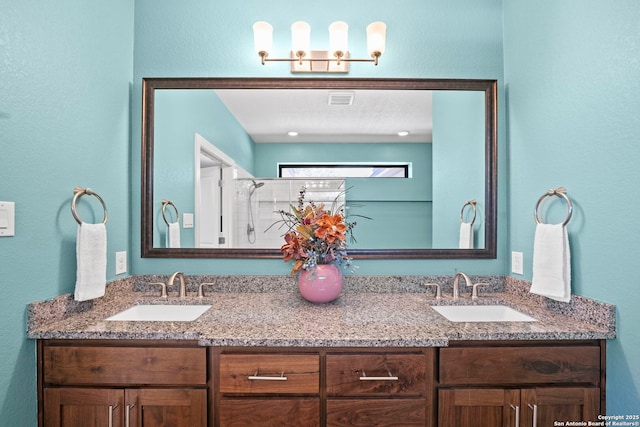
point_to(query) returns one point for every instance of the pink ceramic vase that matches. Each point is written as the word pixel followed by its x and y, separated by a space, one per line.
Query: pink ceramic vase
pixel 321 285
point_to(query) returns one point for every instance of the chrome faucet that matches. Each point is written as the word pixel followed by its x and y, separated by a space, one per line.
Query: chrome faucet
pixel 456 280
pixel 183 287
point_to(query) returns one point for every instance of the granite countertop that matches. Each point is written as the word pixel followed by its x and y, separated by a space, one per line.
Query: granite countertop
pixel 360 317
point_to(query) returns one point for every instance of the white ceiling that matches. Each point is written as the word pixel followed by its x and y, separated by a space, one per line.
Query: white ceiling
pixel 374 116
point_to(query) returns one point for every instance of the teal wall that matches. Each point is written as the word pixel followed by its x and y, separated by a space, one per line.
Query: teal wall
pixel 66 70
pixel 70 115
pixel 458 143
pixel 572 76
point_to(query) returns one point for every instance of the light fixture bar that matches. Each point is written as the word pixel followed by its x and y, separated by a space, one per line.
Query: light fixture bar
pixel 334 60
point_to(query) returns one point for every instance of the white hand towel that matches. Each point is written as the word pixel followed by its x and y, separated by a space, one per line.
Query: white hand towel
pixel 551 263
pixel 91 254
pixel 173 235
pixel 466 235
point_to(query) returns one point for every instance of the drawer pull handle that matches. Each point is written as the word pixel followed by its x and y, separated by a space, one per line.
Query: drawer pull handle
pixel 535 414
pixel 364 377
pixel 257 377
pixel 517 409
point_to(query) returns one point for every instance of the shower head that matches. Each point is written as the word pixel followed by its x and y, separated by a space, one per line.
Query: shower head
pixel 254 186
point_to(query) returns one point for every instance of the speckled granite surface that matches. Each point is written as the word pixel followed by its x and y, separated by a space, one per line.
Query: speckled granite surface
pixel 373 311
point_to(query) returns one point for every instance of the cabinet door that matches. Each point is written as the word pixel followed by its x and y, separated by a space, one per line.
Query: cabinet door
pixel 269 412
pixel 376 412
pixel 473 407
pixel 82 407
pixel 545 405
pixel 166 407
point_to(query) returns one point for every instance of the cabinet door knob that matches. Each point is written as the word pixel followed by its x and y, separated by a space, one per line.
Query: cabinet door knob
pixel 391 377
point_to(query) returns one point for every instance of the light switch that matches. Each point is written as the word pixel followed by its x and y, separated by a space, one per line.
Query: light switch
pixel 121 262
pixel 517 264
pixel 7 219
pixel 187 220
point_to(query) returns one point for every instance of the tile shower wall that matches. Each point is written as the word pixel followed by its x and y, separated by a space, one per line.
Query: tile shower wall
pixel 258 210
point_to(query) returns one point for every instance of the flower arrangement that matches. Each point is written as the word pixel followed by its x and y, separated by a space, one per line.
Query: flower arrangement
pixel 315 235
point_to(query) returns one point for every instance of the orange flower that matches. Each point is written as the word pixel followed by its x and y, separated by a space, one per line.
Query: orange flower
pixel 330 228
pixel 292 249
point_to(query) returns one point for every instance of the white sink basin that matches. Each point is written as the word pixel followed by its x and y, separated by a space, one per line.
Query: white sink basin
pixel 481 313
pixel 161 313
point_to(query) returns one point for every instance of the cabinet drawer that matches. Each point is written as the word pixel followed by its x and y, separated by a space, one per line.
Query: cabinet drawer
pixel 520 365
pixel 124 365
pixel 377 374
pixel 269 373
pixel 296 412
pixel 376 412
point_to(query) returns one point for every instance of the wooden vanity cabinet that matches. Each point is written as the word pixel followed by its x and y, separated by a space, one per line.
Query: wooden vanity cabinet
pixel 525 386
pixel 112 384
pixel 483 383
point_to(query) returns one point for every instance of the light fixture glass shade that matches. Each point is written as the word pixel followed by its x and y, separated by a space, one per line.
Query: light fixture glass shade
pixel 262 36
pixel 300 37
pixel 338 38
pixel 376 38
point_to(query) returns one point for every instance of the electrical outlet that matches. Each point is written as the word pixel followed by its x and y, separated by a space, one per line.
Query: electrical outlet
pixel 121 262
pixel 517 266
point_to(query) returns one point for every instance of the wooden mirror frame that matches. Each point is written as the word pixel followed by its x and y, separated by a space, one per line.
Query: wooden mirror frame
pixel 489 87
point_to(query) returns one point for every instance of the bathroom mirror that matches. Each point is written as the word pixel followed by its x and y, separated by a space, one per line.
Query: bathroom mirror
pixel 447 167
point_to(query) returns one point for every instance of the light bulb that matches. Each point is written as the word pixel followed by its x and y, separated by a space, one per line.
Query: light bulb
pixel 376 38
pixel 339 39
pixel 300 38
pixel 262 37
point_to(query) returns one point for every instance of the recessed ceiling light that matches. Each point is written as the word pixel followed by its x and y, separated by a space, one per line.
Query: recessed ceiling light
pixel 403 133
pixel 292 133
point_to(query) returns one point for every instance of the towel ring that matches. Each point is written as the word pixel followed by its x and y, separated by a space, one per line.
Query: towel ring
pixel 79 192
pixel 471 203
pixel 560 192
pixel 164 213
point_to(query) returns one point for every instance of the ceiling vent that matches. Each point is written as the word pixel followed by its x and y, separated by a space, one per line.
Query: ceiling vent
pixel 341 99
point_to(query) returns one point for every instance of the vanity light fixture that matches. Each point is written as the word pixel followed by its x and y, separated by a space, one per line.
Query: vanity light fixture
pixel 305 60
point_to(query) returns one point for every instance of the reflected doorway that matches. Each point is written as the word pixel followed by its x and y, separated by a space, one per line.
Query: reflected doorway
pixel 213 169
